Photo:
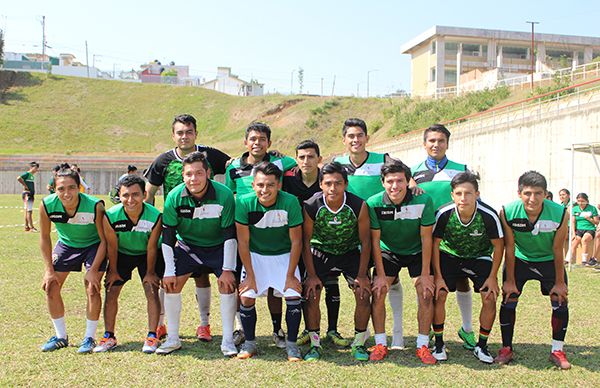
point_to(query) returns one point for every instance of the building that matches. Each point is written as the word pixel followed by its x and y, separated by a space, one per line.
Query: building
pixel 155 72
pixel 64 64
pixel 231 84
pixel 473 58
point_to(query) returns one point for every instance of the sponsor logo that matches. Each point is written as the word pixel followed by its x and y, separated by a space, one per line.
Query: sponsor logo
pixel 476 233
pixel 121 226
pixel 419 176
pixel 185 211
pixel 519 225
pixel 55 216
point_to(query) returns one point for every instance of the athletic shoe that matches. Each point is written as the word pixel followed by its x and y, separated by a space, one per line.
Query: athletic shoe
pixel 337 339
pixel 397 343
pixel 559 358
pixel 238 337
pixel 313 354
pixel 293 352
pixel 55 343
pixel 33 229
pixel 378 352
pixel 87 345
pixel 424 354
pixel 439 353
pixel 161 331
pixel 505 355
pixel 228 349
pixel 360 353
pixel 27 229
pixel 468 338
pixel 203 333
pixel 169 346
pixel 279 339
pixel 591 262
pixel 247 350
pixel 483 354
pixel 303 338
pixel 150 345
pixel 105 345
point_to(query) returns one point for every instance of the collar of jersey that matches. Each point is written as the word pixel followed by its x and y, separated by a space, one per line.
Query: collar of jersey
pixel 338 210
pixel 245 165
pixel 407 198
pixel 434 165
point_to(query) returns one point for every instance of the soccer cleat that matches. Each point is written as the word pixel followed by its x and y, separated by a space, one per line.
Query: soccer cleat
pixel 483 354
pixel 439 353
pixel 505 355
pixel 161 331
pixel 303 338
pixel 337 339
pixel 27 229
pixel 203 333
pixel 559 358
pixel 238 337
pixel 592 262
pixel 378 352
pixel 468 338
pixel 105 345
pixel 87 345
pixel 313 354
pixel 150 345
pixel 247 350
pixel 55 343
pixel 169 346
pixel 228 349
pixel 293 352
pixel 424 354
pixel 279 339
pixel 360 353
pixel 33 229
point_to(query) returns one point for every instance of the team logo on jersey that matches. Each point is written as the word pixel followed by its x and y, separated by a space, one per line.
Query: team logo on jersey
pixel 475 233
pixel 58 217
pixel 335 221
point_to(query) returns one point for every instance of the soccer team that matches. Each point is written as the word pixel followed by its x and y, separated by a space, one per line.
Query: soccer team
pixel 286 228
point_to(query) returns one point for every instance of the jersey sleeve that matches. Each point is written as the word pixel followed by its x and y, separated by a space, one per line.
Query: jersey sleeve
pixel 228 214
pixel 594 211
pixel 428 216
pixel 24 176
pixel 491 221
pixel 241 213
pixel 441 223
pixel 218 160
pixel 156 172
pixel 288 163
pixel 355 203
pixel 294 213
pixel 373 217
pixel 311 206
pixel 169 212
pixel 229 182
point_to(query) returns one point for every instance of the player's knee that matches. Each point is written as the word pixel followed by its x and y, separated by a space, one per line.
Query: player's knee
pixel 511 304
pixel 559 307
pixel 247 302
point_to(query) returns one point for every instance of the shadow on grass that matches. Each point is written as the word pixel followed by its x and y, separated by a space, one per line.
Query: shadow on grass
pixel 17 79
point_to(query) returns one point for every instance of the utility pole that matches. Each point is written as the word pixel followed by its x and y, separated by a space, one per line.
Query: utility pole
pixel 368 73
pixel 333 87
pixel 43 43
pixel 321 86
pixel 357 88
pixel 292 82
pixel 87 63
pixel 532 54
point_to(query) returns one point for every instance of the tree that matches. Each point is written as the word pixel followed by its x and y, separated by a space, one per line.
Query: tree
pixel 1 47
pixel 301 78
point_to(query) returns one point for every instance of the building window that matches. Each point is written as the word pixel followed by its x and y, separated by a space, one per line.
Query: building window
pixel 433 45
pixel 515 52
pixel 450 76
pixel 432 75
pixel 471 50
pixel 580 57
pixel 451 48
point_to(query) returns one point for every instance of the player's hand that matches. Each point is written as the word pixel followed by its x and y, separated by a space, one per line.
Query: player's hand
pixel 249 283
pixel 111 278
pixel 509 289
pixel 293 283
pixel 49 278
pixel 152 279
pixel 227 281
pixel 440 286
pixel 312 284
pixel 380 286
pixel 169 283
pixel 490 288
pixel 92 277
pixel 427 285
pixel 362 286
pixel 416 190
pixel 561 291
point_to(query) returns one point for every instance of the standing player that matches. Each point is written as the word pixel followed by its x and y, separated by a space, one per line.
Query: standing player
pixel 434 175
pixel 583 222
pixel 401 227
pixel 269 231
pixel 336 223
pixel 51 186
pixel 77 218
pixel 166 171
pixel 132 229
pixel 467 243
pixel 27 179
pixel 199 237
pixel 535 231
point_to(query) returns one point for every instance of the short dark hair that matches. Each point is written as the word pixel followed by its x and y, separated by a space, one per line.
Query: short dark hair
pixel 393 166
pixel 566 191
pixel 131 180
pixel 194 157
pixel 333 168
pixel 68 172
pixel 532 179
pixel 267 168
pixel 56 168
pixel 131 168
pixel 549 195
pixel 257 126
pixel 183 119
pixel 34 164
pixel 583 196
pixel 308 144
pixel 354 122
pixel 465 177
pixel 437 128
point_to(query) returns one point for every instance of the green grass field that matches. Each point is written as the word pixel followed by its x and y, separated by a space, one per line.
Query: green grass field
pixel 25 325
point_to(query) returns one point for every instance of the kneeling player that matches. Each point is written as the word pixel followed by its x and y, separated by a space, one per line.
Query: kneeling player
pixel 132 229
pixel 467 243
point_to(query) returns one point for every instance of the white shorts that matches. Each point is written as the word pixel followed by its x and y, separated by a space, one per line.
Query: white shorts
pixel 270 272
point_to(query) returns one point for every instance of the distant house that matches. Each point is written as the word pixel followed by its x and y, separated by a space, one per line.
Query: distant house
pixel 231 84
pixel 64 64
pixel 153 73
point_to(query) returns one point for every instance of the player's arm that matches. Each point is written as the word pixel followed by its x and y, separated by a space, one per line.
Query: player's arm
pixel 93 276
pixel 46 249
pixel 312 283
pixel 380 285
pixel 490 286
pixel 112 251
pixel 560 286
pixel 22 182
pixel 152 254
pixel 150 193
pixel 169 238
pixel 362 283
pixel 440 284
pixel 291 281
pixel 509 287
pixel 426 279
pixel 243 238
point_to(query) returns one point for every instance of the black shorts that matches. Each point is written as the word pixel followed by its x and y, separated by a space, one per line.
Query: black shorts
pixel 69 259
pixel 327 264
pixel 195 260
pixel 581 232
pixel 454 268
pixel 543 271
pixel 127 263
pixel 393 263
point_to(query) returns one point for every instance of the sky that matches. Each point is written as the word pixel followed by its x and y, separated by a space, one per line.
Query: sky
pixel 348 41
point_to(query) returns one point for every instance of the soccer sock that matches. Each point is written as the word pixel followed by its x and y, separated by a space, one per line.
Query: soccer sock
pixel 560 321
pixel 422 340
pixel 483 336
pixel 584 257
pixel 238 321
pixel 161 296
pixel 90 328
pixel 276 320
pixel 60 327
pixel 380 339
pixel 228 307
pixel 360 337
pixel 395 295
pixel 332 302
pixel 438 330
pixel 173 314
pixel 465 305
pixel 248 316
pixel 508 314
pixel 109 334
pixel 203 299
pixel 315 337
pixel 293 314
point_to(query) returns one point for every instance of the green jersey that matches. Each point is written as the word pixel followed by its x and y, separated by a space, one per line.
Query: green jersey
pixel 133 238
pixel 334 232
pixel 238 176
pixel 534 241
pixel 269 226
pixel 469 240
pixel 436 183
pixel 52 185
pixel 200 222
pixel 403 220
pixel 580 222
pixel 78 231
pixel 29 180
pixel 364 180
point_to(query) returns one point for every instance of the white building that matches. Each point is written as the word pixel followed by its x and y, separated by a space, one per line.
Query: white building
pixel 230 84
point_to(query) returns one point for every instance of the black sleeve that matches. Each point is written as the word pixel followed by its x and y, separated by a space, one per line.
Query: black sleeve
pixel 355 203
pixel 311 205
pixel 156 172
pixel 229 232
pixel 492 223
pixel 440 225
pixel 217 159
pixel 169 235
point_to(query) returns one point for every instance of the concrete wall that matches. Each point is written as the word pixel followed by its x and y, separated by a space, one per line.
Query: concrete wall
pixel 420 67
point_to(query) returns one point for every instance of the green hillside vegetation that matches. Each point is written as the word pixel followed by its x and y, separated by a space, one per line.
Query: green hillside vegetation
pixel 48 114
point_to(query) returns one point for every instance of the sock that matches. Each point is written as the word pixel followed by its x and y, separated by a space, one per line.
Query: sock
pixel 557 345
pixel 248 316
pixel 483 336
pixel 60 327
pixel 332 302
pixel 228 307
pixel 395 295
pixel 508 314
pixel 380 339
pixel 203 299
pixel 465 304
pixel 276 320
pixel 173 314
pixel 90 328
pixel 151 334
pixel 360 337
pixel 422 340
pixel 584 257
pixel 560 321
pixel 161 317
pixel 438 330
pixel 109 334
pixel 315 337
pixel 293 314
pixel 238 321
